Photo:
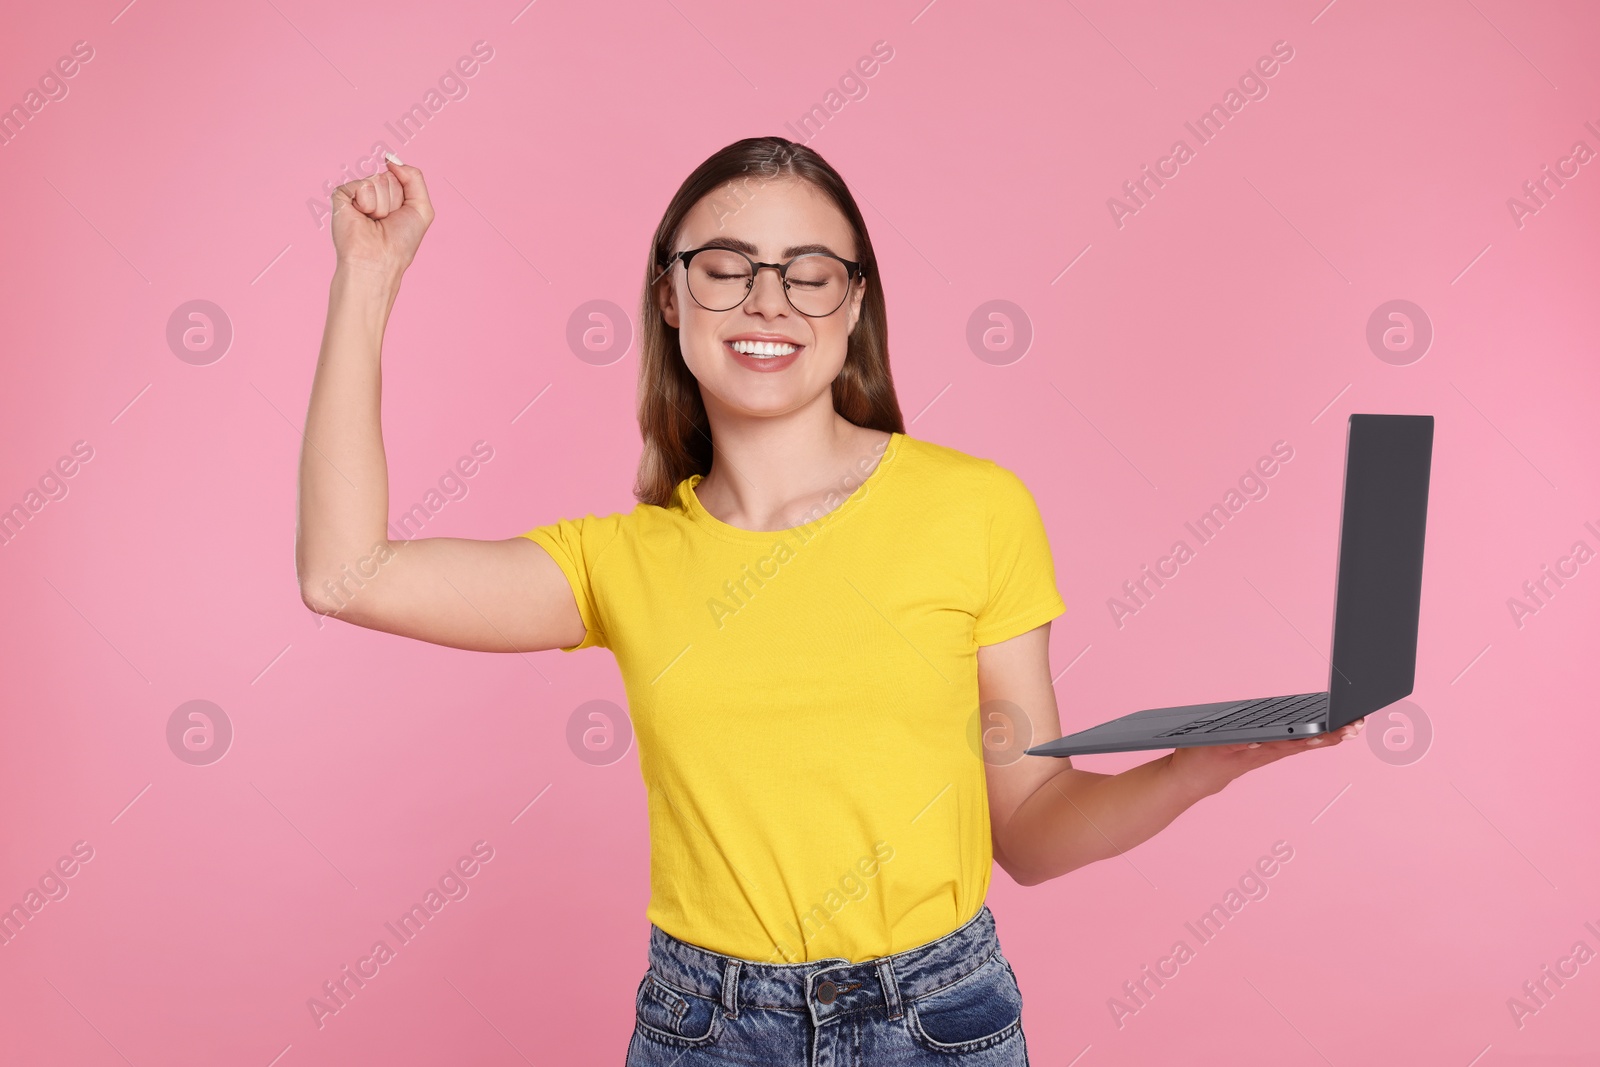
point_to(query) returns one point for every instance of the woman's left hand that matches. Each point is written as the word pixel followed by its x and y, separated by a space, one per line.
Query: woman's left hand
pixel 1209 768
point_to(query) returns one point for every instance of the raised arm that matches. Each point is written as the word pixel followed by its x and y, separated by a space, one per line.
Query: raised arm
pixel 494 596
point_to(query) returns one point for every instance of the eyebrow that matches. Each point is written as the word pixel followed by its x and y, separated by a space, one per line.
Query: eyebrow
pixel 750 250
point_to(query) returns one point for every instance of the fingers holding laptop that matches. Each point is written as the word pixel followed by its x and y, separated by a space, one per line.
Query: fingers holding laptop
pixel 1327 740
pixel 1214 766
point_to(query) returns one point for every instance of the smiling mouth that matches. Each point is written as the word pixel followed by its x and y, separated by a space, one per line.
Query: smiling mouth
pixel 763 349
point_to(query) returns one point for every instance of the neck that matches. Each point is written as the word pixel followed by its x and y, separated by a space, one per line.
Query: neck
pixel 767 471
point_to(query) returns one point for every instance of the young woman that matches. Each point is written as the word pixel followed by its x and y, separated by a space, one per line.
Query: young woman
pixel 808 609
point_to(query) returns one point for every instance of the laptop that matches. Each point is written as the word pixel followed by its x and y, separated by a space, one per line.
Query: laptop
pixel 1377 599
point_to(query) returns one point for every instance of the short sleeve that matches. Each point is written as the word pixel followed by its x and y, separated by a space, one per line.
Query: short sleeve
pixel 1021 572
pixel 576 546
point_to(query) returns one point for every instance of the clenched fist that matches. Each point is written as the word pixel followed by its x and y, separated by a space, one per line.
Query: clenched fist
pixel 378 221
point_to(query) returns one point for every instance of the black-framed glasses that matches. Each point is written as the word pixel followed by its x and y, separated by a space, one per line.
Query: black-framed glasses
pixel 720 279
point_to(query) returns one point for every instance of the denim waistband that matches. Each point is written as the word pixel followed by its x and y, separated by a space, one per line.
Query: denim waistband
pixel 826 987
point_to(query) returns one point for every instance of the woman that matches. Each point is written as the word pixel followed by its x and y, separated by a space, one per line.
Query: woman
pixel 807 607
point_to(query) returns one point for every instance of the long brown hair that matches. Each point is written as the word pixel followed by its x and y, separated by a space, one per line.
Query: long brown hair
pixel 672 417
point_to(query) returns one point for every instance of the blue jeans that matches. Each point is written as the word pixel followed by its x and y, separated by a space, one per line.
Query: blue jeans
pixel 950 1001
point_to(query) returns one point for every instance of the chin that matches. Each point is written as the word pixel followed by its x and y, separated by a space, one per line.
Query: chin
pixel 764 399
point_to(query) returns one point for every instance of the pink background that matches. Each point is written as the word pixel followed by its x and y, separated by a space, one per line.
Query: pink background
pixel 1227 314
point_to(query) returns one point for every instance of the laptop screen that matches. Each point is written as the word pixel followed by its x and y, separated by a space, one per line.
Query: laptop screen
pixel 1379 588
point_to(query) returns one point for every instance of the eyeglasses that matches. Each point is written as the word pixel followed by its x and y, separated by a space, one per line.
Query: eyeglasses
pixel 720 279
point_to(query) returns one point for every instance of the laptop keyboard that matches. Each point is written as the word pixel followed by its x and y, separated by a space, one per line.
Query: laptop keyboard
pixel 1253 714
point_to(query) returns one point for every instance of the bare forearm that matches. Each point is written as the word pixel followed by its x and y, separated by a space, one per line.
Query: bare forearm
pixel 344 479
pixel 1077 817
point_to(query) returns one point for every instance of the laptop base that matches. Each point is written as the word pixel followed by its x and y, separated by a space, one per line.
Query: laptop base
pixel 1227 722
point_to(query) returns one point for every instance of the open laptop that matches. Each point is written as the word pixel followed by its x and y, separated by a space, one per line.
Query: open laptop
pixel 1378 595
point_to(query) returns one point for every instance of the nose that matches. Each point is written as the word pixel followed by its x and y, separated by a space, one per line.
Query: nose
pixel 769 298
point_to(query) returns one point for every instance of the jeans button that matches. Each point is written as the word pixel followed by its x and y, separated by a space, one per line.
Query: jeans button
pixel 827 992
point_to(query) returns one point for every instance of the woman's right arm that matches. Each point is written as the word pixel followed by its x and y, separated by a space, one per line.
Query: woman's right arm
pixel 493 596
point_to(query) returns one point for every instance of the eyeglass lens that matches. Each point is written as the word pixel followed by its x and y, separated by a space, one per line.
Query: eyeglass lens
pixel 719 280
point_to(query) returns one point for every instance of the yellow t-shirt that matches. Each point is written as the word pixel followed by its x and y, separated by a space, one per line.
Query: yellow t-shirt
pixel 806 700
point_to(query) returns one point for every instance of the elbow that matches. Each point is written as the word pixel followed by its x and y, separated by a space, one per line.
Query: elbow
pixel 312 599
pixel 1034 874
pixel 1020 876
pixel 339 595
pixel 308 578
pixel 328 587
pixel 319 596
pixel 1017 877
pixel 322 589
pixel 1031 878
pixel 1014 871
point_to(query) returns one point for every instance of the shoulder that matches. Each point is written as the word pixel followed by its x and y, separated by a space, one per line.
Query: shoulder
pixel 591 534
pixel 962 472
pixel 976 494
pixel 932 458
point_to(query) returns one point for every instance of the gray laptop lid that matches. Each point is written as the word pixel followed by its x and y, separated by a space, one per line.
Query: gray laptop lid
pixel 1379 587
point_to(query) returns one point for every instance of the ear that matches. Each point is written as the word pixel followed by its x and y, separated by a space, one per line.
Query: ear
pixel 855 306
pixel 667 301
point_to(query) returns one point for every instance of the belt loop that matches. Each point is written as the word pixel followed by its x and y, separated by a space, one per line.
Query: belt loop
pixel 891 989
pixel 730 989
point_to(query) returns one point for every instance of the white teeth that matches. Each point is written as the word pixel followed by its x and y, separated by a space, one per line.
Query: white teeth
pixel 764 349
